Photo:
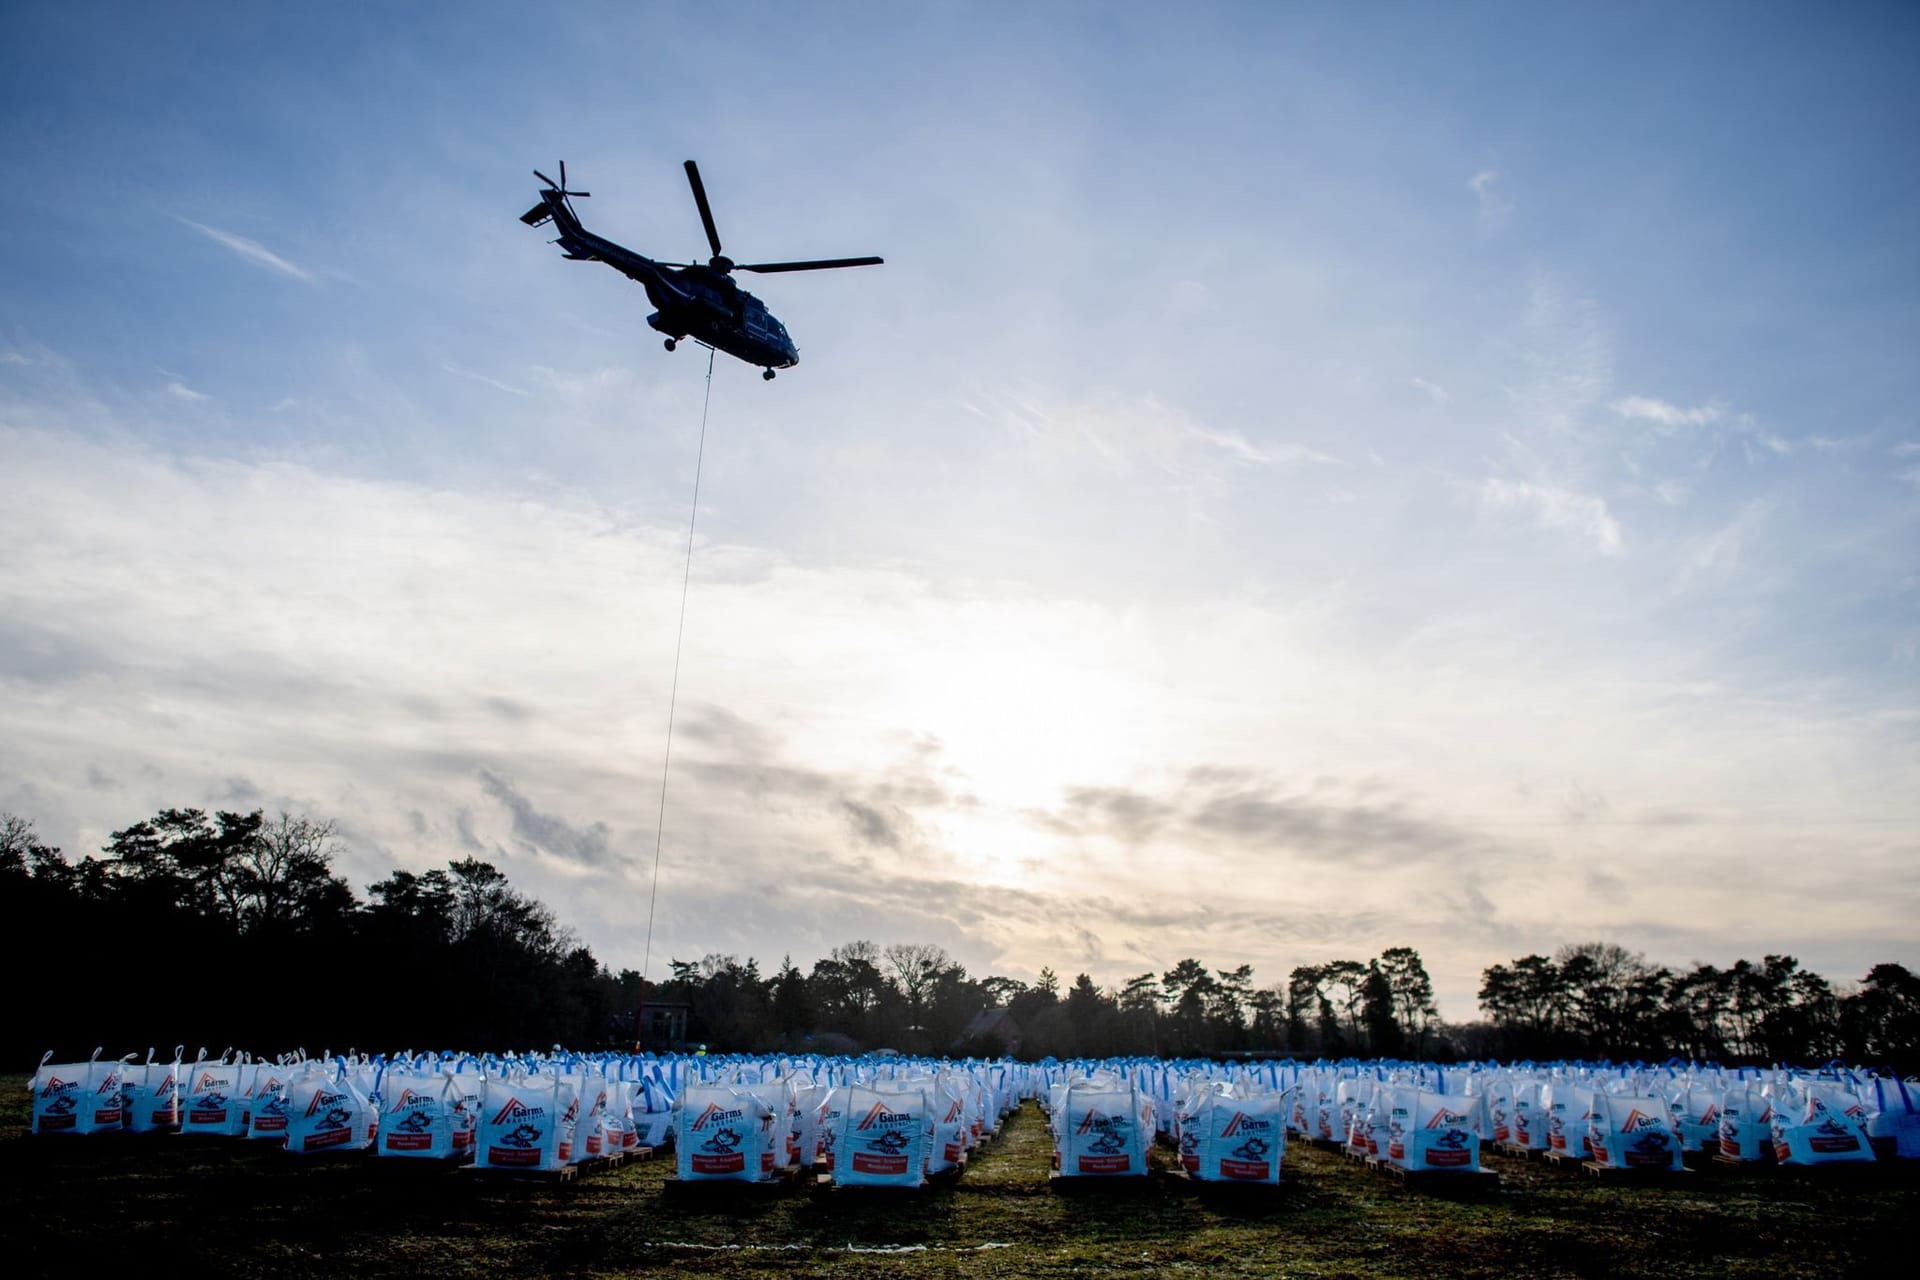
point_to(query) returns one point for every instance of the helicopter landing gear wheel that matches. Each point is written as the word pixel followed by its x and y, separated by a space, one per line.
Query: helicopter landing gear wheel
pixel 767 374
pixel 671 344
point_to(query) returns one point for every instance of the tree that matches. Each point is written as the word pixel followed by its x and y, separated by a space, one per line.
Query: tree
pixel 1227 1005
pixel 1881 1020
pixel 1410 991
pixel 1140 1004
pixel 181 857
pixel 917 966
pixel 1188 986
pixel 792 1009
pixel 20 849
pixel 283 876
pixel 1384 1036
pixel 1343 984
pixel 1309 1013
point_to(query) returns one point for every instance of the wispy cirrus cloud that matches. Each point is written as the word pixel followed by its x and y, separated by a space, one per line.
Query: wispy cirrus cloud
pixel 251 250
pixel 1553 507
pixel 1495 210
pixel 1661 413
pixel 484 380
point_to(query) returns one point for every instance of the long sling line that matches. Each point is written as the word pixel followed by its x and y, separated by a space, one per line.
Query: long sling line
pixel 673 696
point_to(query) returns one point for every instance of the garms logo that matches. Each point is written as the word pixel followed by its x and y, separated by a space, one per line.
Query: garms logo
pixel 1638 1120
pixel 715 1114
pixel 1444 1119
pixel 1244 1123
pixel 409 1100
pixel 1097 1122
pixel 208 1080
pixel 881 1116
pixel 517 1111
pixel 321 1098
pixel 56 1085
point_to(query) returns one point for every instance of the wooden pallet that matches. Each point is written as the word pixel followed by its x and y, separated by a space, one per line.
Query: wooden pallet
pixel 1561 1159
pixel 1357 1155
pixel 1722 1163
pixel 565 1173
pixel 1437 1179
pixel 1518 1150
pixel 1607 1173
pixel 1180 1178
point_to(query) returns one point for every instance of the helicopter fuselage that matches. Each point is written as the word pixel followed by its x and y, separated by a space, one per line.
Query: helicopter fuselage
pixel 695 302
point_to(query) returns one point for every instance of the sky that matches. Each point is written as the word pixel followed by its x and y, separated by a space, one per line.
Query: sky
pixel 1307 479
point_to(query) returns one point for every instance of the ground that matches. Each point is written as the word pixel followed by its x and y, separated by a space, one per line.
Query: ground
pixel 175 1206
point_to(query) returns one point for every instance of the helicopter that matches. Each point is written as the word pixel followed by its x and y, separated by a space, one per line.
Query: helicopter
pixel 697 300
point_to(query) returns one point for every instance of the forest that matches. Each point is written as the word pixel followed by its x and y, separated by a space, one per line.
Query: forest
pixel 234 929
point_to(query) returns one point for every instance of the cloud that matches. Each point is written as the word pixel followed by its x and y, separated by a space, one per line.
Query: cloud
pixel 874 749
pixel 1232 809
pixel 181 391
pixel 251 250
pixel 1495 210
pixel 549 834
pixel 484 380
pixel 1435 392
pixel 1661 413
pixel 1553 507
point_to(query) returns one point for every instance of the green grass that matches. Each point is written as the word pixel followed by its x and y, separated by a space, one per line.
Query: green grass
pixel 174 1206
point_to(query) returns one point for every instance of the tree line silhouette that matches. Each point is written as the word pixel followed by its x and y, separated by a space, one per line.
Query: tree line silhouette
pixel 230 928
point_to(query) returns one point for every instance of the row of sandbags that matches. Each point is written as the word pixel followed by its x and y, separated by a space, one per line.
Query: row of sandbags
pixel 1228 1127
pixel 1618 1117
pixel 890 1125
pixel 536 1112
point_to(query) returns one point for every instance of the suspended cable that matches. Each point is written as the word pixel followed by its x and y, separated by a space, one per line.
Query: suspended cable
pixel 673 695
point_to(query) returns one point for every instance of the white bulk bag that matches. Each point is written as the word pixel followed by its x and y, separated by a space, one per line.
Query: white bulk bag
pixel 152 1092
pixel 1499 1104
pixel 1893 1119
pixel 1746 1122
pixel 267 1104
pixel 882 1138
pixel 1821 1127
pixel 1103 1132
pixel 1240 1139
pixel 326 1111
pixel 1444 1133
pixel 653 1112
pixel 722 1134
pixel 526 1120
pixel 211 1102
pixel 419 1113
pixel 951 1134
pixel 77 1097
pixel 1569 1118
pixel 1530 1120
pixel 1696 1109
pixel 812 1103
pixel 590 1121
pixel 1633 1131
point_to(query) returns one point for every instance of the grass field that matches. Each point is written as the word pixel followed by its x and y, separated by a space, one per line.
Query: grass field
pixel 159 1206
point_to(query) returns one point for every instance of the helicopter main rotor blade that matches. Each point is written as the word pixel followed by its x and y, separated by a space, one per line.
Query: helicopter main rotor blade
pixel 544 178
pixel 706 211
pixel 820 264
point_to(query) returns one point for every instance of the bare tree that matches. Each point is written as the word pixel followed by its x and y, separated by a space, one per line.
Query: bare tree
pixel 917 966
